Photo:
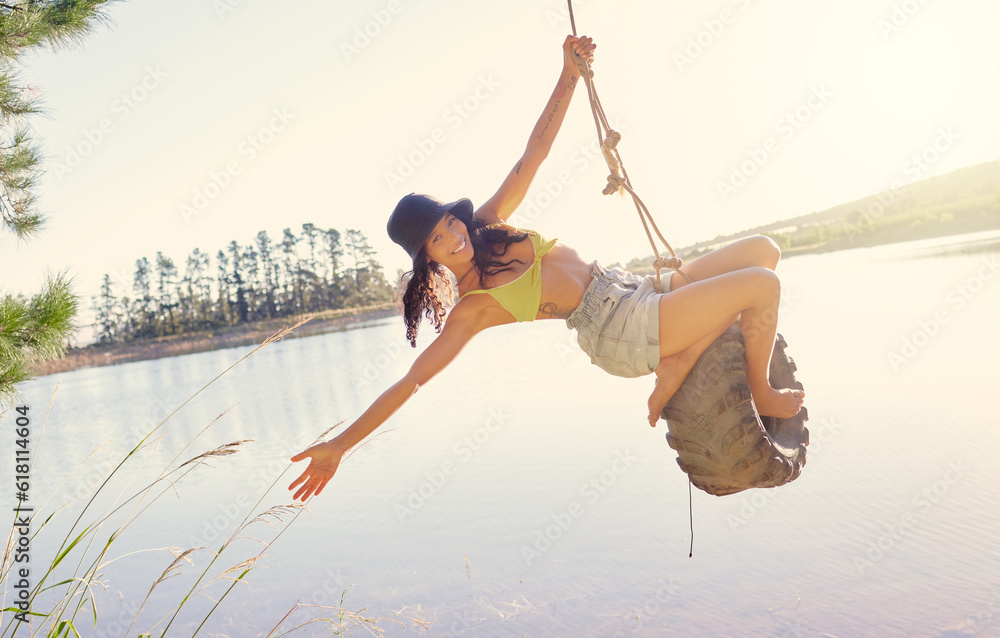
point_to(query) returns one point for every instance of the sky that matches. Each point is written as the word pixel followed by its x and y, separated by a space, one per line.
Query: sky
pixel 194 123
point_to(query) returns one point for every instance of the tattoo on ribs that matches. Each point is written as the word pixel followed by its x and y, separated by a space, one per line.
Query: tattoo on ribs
pixel 553 311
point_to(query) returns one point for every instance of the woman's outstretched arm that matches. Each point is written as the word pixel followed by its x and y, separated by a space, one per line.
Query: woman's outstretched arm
pixel 500 207
pixel 324 458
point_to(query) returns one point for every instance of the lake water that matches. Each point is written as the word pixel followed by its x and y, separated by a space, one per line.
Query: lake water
pixel 521 493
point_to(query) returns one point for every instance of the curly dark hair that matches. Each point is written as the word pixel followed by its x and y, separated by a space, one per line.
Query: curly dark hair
pixel 427 289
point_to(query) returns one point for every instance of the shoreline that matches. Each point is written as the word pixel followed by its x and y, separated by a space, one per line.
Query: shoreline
pixel 334 320
pixel 885 237
pixel 869 241
pixel 93 356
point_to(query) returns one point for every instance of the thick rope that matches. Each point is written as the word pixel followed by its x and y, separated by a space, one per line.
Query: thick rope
pixel 618 181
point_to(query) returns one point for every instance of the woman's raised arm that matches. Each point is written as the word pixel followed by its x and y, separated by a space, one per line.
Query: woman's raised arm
pixel 324 458
pixel 510 194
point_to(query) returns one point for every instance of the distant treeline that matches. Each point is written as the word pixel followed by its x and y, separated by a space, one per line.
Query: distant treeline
pixel 864 229
pixel 965 200
pixel 315 270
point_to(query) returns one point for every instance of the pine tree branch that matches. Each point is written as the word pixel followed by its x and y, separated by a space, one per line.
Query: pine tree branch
pixel 33 330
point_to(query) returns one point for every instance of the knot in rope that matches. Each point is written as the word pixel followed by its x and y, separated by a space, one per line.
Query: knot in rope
pixel 618 179
pixel 615 184
pixel 668 262
pixel 611 141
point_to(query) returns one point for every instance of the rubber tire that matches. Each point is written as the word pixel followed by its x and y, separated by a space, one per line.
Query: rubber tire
pixel 722 443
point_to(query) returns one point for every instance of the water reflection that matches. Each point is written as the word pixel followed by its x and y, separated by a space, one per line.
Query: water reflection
pixel 478 511
pixel 971 244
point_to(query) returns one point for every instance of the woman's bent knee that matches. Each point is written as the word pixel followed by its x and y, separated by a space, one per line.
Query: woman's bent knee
pixel 765 283
pixel 763 276
pixel 767 252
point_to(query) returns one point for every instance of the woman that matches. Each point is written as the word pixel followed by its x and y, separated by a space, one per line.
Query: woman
pixel 505 275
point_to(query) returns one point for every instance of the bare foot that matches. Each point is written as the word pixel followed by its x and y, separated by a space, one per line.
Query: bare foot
pixel 669 377
pixel 783 404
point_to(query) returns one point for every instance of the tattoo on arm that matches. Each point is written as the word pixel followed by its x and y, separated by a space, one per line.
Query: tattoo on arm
pixel 517 169
pixel 572 82
pixel 553 311
pixel 552 114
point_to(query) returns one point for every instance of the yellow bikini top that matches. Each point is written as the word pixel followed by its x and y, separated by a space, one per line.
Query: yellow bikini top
pixel 523 296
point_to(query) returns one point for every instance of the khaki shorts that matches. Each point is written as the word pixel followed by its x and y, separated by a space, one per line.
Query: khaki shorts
pixel 618 322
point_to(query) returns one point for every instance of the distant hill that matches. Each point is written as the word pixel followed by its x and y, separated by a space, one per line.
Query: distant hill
pixel 966 200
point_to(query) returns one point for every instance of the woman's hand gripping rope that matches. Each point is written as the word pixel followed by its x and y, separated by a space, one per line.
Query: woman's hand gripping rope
pixel 578 48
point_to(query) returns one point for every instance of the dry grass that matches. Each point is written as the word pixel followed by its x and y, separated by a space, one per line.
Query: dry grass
pixel 84 555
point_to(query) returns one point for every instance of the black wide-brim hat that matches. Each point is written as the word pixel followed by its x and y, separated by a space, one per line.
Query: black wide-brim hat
pixel 415 216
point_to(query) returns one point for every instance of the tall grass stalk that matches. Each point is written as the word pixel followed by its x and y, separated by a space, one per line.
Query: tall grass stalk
pixel 63 549
pixel 76 593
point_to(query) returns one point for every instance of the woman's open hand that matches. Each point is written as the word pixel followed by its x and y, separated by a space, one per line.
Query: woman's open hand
pixel 582 46
pixel 324 460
